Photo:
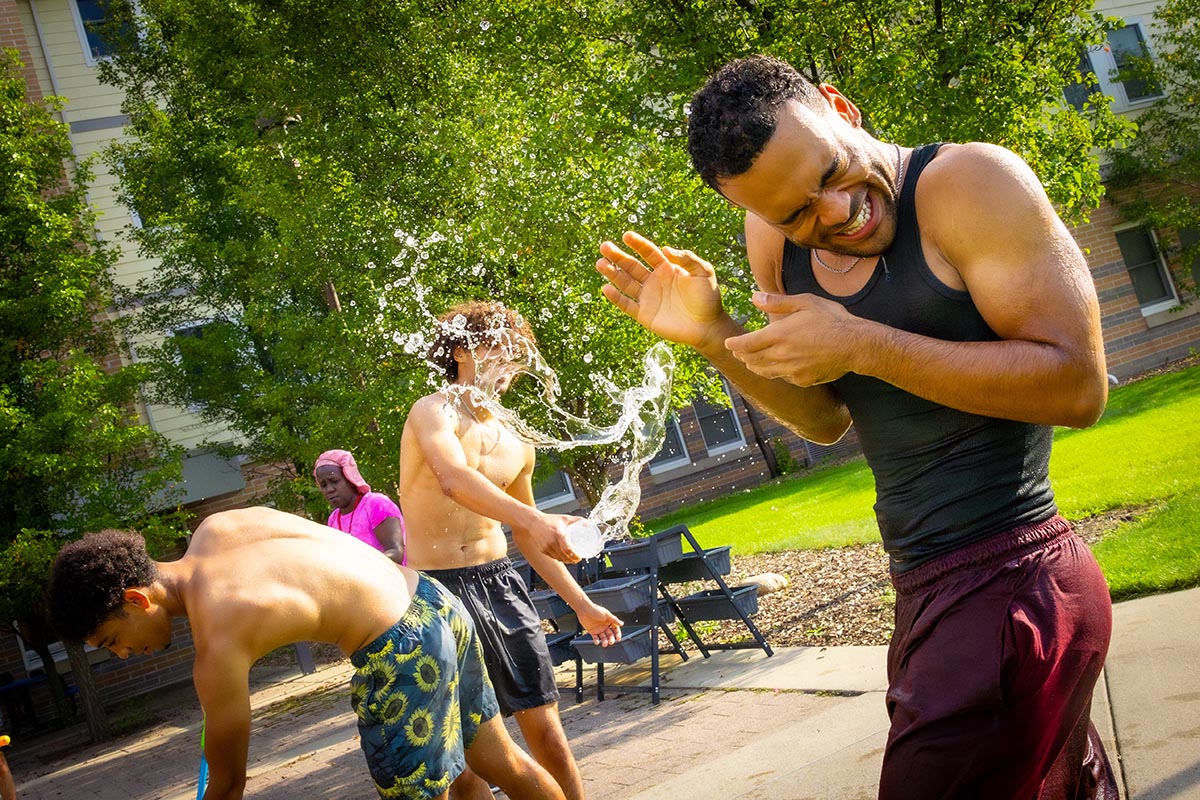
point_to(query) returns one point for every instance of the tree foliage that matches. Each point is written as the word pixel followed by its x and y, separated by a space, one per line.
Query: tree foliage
pixel 73 455
pixel 1157 177
pixel 284 151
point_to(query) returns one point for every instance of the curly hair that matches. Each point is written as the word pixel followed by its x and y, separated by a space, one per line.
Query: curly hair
pixel 89 577
pixel 734 115
pixel 469 325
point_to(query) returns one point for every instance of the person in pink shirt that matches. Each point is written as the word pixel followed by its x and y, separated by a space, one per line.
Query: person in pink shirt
pixel 370 517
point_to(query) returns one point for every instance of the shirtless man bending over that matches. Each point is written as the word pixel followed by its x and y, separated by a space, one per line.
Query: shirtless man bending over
pixel 256 579
pixel 462 474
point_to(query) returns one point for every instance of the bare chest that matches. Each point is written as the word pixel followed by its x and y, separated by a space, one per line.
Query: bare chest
pixel 492 450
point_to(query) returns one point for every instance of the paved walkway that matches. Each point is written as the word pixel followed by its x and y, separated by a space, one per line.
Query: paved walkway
pixel 805 723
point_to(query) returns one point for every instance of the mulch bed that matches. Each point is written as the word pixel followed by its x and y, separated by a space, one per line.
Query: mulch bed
pixel 842 596
pixel 838 596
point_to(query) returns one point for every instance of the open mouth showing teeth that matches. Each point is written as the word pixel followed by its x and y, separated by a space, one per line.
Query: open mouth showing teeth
pixel 864 214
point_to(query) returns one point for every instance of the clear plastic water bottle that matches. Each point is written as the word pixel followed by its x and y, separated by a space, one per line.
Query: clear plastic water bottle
pixel 585 538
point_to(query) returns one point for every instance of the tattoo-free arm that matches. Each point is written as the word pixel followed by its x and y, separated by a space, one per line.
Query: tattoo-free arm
pixel 390 533
pixel 673 293
pixel 436 433
pixel 223 687
pixel 1025 275
pixel 603 625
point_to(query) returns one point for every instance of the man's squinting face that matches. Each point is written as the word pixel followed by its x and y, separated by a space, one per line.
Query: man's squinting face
pixel 822 182
pixel 338 491
pixel 134 631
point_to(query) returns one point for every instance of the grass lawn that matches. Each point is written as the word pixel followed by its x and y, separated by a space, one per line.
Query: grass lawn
pixel 1143 454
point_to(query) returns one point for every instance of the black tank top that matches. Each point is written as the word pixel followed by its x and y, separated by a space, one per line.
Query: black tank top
pixel 943 478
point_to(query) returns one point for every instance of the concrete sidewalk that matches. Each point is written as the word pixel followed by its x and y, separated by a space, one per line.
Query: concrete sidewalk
pixel 805 723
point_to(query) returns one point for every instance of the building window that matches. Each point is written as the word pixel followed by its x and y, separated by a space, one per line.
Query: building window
pixel 1081 91
pixel 189 355
pixel 719 425
pixel 553 489
pixel 193 357
pixel 90 16
pixel 673 452
pixel 1100 67
pixel 1147 271
pixel 1127 46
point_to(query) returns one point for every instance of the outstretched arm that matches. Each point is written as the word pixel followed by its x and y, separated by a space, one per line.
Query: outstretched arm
pixel 222 680
pixel 597 620
pixel 673 293
pixel 435 426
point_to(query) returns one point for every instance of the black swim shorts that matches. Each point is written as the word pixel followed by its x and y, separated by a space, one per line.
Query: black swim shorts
pixel 514 645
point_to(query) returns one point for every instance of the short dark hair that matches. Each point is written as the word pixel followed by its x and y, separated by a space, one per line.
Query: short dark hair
pixel 89 577
pixel 734 115
pixel 480 319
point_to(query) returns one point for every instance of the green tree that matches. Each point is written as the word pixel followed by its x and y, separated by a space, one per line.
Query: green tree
pixel 73 456
pixel 284 152
pixel 1156 178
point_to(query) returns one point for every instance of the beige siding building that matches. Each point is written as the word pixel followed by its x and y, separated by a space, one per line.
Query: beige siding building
pixel 711 450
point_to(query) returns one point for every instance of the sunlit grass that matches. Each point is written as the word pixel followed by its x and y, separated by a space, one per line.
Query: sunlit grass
pixel 1144 452
pixel 1159 552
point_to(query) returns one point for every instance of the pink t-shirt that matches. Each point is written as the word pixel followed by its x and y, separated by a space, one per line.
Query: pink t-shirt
pixel 372 509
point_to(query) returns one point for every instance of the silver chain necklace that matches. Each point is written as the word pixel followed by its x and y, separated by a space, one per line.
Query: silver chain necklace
pixel 899 183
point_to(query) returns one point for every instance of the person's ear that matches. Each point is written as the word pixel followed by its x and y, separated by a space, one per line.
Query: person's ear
pixel 460 353
pixel 138 597
pixel 840 104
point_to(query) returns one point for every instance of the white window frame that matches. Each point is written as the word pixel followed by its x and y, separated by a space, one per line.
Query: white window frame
pixel 1104 66
pixel 88 57
pixel 732 444
pixel 674 463
pixel 1163 268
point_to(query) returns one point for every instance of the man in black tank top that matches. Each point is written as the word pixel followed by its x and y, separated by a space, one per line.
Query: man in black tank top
pixel 933 297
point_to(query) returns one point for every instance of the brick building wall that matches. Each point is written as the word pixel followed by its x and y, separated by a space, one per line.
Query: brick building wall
pixel 12 35
pixel 1133 341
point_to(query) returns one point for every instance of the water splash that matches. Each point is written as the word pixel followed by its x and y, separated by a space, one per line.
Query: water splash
pixel 641 423
pixel 502 355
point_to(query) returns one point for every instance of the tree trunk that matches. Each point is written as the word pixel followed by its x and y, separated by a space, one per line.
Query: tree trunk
pixel 37 638
pixel 93 711
pixel 768 452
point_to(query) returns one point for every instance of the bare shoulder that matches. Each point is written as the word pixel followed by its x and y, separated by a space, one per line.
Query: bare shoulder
pixel 979 175
pixel 241 527
pixel 764 249
pixel 975 199
pixel 430 408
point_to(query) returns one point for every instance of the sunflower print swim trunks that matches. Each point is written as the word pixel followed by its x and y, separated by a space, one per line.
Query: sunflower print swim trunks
pixel 421 691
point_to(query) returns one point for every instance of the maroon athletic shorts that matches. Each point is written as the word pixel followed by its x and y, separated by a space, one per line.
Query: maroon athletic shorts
pixel 991 668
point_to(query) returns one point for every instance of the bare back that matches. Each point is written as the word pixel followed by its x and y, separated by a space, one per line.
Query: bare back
pixel 443 442
pixel 260 578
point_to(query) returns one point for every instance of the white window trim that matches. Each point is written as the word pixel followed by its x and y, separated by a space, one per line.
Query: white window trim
pixel 88 58
pixel 1161 305
pixel 733 444
pixel 675 463
pixel 1105 67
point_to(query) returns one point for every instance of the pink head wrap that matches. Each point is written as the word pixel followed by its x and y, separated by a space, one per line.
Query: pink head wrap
pixel 343 459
